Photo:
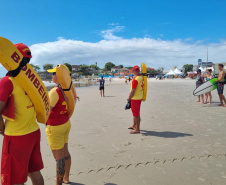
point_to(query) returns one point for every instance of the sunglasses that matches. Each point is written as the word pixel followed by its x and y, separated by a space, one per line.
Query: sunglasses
pixel 54 73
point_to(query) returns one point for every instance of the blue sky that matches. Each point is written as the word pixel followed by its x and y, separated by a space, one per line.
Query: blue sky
pixel 200 23
pixel 44 21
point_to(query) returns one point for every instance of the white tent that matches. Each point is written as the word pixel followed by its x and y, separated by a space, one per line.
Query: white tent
pixel 177 72
pixel 170 73
pixel 202 70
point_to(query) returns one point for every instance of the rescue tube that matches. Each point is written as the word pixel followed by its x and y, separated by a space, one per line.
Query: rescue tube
pixel 28 79
pixel 67 86
pixel 144 72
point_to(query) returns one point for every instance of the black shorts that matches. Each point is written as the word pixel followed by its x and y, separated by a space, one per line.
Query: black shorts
pixel 220 87
pixel 101 88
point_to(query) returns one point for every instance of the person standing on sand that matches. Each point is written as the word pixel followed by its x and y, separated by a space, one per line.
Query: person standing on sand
pixel 126 80
pixel 21 154
pixel 135 97
pixel 220 85
pixel 208 77
pixel 58 129
pixel 199 81
pixel 102 81
pixel 129 79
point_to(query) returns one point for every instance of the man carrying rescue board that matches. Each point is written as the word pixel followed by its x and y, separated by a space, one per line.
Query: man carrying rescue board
pixel 21 155
pixel 136 96
pixel 220 85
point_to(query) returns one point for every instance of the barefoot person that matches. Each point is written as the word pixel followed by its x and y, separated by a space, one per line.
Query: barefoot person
pixel 208 77
pixel 21 155
pixel 136 96
pixel 199 81
pixel 220 85
pixel 102 81
pixel 57 131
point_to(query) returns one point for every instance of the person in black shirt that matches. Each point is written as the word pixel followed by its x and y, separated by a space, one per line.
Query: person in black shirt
pixel 102 81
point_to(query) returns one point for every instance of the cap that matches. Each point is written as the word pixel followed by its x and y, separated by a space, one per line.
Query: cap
pixel 136 68
pixel 25 51
pixel 199 70
pixel 52 70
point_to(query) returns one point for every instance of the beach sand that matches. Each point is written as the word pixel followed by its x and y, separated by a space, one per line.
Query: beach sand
pixel 182 142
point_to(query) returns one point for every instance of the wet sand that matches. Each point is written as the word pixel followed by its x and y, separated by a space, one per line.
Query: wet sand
pixel 181 143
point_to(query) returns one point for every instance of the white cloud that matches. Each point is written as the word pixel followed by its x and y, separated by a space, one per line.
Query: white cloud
pixel 109 33
pixel 113 24
pixel 154 52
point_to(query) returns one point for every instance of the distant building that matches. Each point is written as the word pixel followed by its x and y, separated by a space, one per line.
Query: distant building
pixel 150 69
pixel 205 65
pixel 115 69
pixel 75 68
pixel 195 67
pixel 199 63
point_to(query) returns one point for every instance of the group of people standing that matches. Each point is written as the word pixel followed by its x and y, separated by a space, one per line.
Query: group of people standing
pixel 21 150
pixel 206 76
pixel 21 153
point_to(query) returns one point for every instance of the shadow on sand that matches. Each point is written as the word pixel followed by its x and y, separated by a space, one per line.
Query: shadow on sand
pixel 110 184
pixel 73 183
pixel 165 134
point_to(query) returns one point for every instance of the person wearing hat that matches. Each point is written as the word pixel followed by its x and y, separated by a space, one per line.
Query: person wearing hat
pixel 135 97
pixel 21 154
pixel 199 81
pixel 57 130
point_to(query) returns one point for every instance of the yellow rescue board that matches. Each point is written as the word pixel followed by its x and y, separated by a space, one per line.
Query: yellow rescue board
pixel 66 84
pixel 144 71
pixel 28 79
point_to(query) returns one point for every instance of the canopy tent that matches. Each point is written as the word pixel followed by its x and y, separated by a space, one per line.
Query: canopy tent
pixel 177 72
pixel 202 70
pixel 170 73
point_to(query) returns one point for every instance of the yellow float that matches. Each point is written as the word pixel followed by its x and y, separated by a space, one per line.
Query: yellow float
pixel 28 79
pixel 66 84
pixel 144 73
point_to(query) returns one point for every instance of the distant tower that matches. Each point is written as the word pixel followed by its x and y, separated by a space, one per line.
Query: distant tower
pixel 199 63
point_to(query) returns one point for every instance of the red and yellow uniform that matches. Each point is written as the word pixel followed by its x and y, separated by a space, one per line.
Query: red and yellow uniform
pixel 138 84
pixel 21 146
pixel 58 124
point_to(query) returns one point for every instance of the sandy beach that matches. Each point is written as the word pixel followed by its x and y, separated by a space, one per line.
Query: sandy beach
pixel 182 142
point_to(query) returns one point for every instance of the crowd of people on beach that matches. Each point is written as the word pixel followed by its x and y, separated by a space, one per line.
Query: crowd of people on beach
pixel 21 150
pixel 205 77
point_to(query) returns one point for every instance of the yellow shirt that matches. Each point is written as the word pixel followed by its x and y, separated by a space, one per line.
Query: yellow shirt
pixel 138 82
pixel 25 114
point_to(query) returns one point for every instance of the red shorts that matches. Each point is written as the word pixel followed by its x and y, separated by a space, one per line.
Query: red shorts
pixel 20 155
pixel 135 107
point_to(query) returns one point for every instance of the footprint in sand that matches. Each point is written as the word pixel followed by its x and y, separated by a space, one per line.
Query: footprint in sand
pixel 127 144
